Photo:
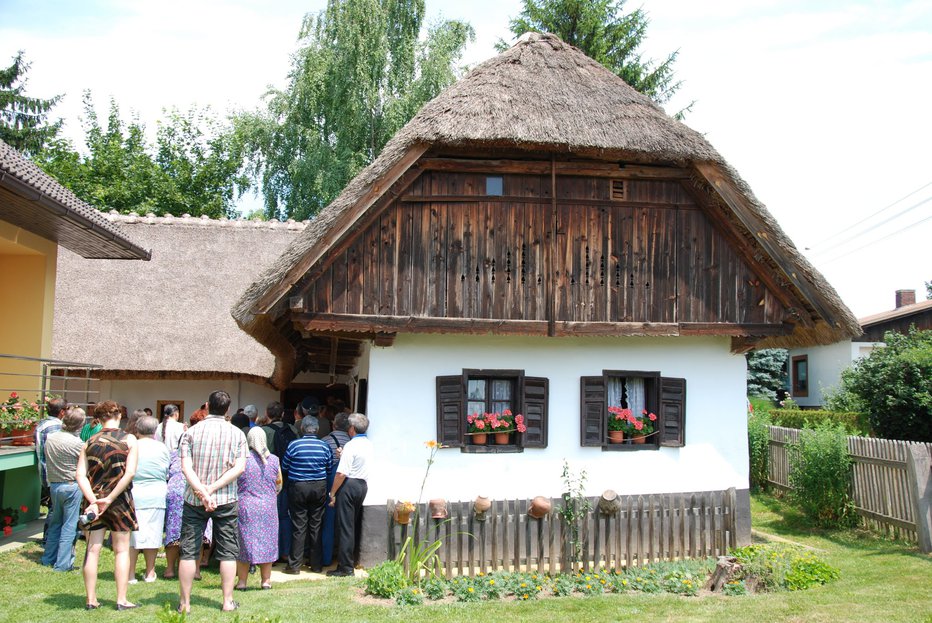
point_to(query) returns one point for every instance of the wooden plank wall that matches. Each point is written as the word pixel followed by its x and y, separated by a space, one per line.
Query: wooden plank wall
pixel 880 486
pixel 647 528
pixel 653 257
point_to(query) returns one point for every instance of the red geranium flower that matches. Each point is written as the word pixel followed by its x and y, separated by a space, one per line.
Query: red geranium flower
pixel 14 395
pixel 7 519
pixel 7 530
pixel 23 508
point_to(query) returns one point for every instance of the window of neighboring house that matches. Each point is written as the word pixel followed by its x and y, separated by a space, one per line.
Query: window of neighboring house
pixel 494 185
pixel 637 391
pixel 474 395
pixel 801 375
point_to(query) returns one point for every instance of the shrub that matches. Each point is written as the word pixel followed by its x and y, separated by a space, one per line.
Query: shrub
pixel 564 585
pixel 820 474
pixel 854 423
pixel 435 588
pixel 386 579
pixel 734 588
pixel 527 589
pixel 893 384
pixel 759 448
pixel 781 567
pixel 464 589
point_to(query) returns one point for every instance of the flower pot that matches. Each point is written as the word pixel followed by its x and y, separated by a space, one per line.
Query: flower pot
pixel 402 515
pixel 638 439
pixel 616 436
pixel 502 439
pixel 479 439
pixel 23 436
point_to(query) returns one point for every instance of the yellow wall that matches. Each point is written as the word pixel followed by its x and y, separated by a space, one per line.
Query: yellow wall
pixel 27 275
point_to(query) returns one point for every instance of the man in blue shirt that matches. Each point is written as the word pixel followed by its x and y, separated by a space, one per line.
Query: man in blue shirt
pixel 307 462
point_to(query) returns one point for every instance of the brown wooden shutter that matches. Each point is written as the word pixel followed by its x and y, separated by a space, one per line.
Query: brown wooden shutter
pixel 450 411
pixel 592 411
pixel 672 412
pixel 536 393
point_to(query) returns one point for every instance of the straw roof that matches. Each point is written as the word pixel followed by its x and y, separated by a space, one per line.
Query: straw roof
pixel 33 200
pixel 544 95
pixel 169 317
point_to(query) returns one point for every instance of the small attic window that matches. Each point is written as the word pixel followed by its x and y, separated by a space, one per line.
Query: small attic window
pixel 618 190
pixel 494 185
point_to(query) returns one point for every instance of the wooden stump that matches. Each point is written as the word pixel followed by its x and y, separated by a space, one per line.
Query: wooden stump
pixel 726 569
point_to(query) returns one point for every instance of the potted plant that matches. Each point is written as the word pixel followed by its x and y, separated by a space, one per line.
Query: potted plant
pixel 403 512
pixel 643 426
pixel 9 517
pixel 477 425
pixel 504 424
pixel 18 418
pixel 622 423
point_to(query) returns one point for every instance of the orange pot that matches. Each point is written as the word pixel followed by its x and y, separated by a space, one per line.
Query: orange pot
pixel 616 436
pixel 502 439
pixel 479 439
pixel 638 439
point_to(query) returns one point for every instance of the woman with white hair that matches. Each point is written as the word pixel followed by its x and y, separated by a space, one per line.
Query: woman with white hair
pixel 258 487
pixel 150 486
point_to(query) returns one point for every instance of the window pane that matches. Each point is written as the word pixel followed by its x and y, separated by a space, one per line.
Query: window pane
pixel 476 389
pixel 498 407
pixel 501 389
pixel 615 391
pixel 475 408
pixel 494 185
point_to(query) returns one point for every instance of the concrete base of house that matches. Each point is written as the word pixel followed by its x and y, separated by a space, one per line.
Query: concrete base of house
pixel 374 546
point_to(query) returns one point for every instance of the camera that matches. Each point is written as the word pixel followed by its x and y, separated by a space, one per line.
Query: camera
pixel 87 518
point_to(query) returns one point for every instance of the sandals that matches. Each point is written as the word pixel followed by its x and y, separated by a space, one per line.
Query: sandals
pixel 233 606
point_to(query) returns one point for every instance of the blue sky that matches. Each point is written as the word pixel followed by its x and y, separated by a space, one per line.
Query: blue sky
pixel 821 106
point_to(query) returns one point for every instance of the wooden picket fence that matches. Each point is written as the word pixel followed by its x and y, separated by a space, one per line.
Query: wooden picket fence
pixel 646 528
pixel 881 489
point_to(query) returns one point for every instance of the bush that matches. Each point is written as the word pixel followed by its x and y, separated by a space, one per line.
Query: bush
pixel 435 588
pixel 759 448
pixel 386 579
pixel 854 423
pixel 409 596
pixel 895 385
pixel 820 474
pixel 780 567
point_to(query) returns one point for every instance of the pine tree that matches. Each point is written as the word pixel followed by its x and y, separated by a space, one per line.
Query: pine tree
pixel 23 123
pixel 766 372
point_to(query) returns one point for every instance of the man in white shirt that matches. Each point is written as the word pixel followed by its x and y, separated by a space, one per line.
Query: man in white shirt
pixel 349 491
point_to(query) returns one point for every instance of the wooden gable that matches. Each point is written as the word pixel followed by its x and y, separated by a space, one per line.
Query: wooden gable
pixel 567 248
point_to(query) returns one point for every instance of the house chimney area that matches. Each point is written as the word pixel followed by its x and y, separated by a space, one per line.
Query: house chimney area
pixel 905 297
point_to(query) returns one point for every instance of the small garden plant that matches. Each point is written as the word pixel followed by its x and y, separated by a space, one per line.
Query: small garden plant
pixel 762 568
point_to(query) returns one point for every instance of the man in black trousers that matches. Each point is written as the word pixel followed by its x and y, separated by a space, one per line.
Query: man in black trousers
pixel 349 491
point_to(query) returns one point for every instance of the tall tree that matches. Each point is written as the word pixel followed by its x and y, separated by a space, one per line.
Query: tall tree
pixel 766 372
pixel 23 119
pixel 602 30
pixel 361 72
pixel 194 167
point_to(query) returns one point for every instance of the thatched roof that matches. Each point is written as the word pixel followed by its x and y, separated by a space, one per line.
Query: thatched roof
pixel 33 200
pixel 543 95
pixel 169 317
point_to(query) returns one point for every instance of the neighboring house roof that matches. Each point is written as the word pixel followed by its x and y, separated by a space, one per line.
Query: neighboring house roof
pixel 33 200
pixel 544 95
pixel 893 314
pixel 917 315
pixel 169 317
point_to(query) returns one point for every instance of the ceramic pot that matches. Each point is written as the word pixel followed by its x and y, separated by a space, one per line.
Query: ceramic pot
pixel 502 439
pixel 638 439
pixel 480 439
pixel 616 436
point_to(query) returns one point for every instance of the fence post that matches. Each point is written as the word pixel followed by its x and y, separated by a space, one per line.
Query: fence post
pixel 918 464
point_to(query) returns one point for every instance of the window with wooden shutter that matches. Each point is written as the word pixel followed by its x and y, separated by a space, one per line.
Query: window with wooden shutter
pixel 657 402
pixel 478 392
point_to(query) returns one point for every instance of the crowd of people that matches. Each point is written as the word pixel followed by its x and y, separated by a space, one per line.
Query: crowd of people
pixel 244 489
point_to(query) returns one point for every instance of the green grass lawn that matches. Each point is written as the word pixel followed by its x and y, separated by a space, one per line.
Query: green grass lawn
pixel 880 581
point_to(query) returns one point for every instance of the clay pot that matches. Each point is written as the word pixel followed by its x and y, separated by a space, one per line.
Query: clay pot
pixel 402 515
pixel 639 439
pixel 482 504
pixel 438 508
pixel 540 507
pixel 480 439
pixel 609 503
pixel 616 436
pixel 502 439
pixel 23 436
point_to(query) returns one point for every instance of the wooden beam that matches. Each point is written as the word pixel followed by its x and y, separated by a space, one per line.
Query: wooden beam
pixel 543 167
pixel 524 199
pixel 341 225
pixel 738 330
pixel 756 226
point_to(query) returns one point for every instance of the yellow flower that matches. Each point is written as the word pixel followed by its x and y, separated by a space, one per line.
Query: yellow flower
pixel 471 589
pixel 523 585
pixel 414 591
pixel 491 582
pixel 602 581
pixel 588 586
pixel 523 596
pixel 624 582
pixel 431 444
pixel 539 588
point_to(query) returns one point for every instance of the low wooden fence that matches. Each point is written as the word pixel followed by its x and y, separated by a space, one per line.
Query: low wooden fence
pixel 888 487
pixel 644 529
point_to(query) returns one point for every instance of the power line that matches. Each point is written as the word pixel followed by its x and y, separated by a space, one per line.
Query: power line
pixel 863 246
pixel 870 216
pixel 883 222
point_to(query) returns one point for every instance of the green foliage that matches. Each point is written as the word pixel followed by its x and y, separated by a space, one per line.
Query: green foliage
pixel 820 474
pixel 362 71
pixel 386 579
pixel 766 372
pixel 575 508
pixel 492 586
pixel 23 119
pixel 563 585
pixel 842 400
pixel 528 588
pixel 435 588
pixel 761 404
pixel 788 404
pixel 194 167
pixel 464 589
pixel 894 384
pixel 735 588
pixel 759 448
pixel 419 559
pixel 853 423
pixel 607 34
pixel 409 596
pixel 782 567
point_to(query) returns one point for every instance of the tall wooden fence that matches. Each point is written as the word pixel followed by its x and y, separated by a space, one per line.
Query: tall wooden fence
pixel 644 529
pixel 888 488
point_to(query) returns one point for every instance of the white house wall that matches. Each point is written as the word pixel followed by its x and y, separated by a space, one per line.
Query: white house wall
pixel 403 414
pixel 826 364
pixel 140 394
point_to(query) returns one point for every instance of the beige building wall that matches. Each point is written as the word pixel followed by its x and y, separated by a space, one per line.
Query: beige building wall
pixel 27 272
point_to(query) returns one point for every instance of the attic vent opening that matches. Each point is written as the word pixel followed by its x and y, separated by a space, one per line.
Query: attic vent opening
pixel 494 185
pixel 618 190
